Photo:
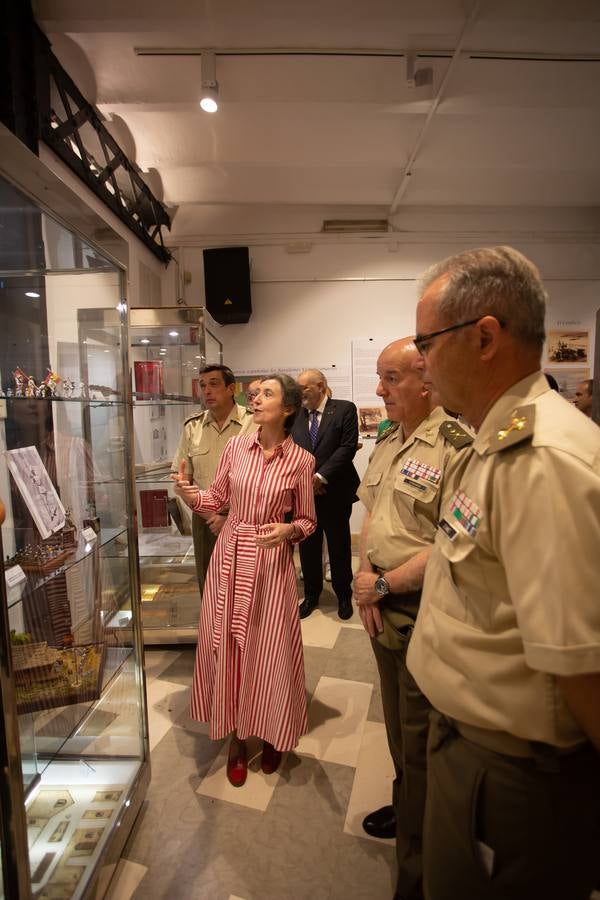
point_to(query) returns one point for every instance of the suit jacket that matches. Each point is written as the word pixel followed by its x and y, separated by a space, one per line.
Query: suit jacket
pixel 337 440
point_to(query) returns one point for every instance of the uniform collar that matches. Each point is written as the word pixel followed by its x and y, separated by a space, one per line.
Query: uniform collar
pixel 520 394
pixel 236 414
pixel 427 431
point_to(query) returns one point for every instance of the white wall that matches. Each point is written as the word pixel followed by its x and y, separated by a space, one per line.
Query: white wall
pixel 307 308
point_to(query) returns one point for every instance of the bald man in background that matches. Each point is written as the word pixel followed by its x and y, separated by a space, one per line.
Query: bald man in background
pixel 583 396
pixel 328 429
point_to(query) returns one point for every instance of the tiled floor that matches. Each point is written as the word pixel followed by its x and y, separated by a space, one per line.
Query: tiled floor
pixel 294 835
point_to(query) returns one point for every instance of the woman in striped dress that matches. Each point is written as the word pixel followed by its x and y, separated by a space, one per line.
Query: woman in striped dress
pixel 249 672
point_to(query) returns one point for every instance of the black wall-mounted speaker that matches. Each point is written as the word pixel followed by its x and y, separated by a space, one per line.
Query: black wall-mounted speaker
pixel 227 284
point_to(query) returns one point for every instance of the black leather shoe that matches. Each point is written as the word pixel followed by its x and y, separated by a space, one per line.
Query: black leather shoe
pixel 381 823
pixel 306 607
pixel 345 609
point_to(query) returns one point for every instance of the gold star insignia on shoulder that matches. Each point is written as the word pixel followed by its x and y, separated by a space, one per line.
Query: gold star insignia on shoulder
pixel 455 434
pixel 516 430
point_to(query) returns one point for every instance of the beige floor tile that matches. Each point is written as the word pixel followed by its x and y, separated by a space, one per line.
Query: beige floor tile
pixel 126 880
pixel 320 630
pixel 372 786
pixel 156 661
pixel 255 794
pixel 166 702
pixel 336 719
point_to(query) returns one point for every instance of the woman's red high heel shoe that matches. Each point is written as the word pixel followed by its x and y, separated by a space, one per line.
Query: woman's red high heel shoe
pixel 237 763
pixel 270 759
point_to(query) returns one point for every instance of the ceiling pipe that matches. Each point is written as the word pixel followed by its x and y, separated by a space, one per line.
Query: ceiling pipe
pixel 433 109
pixel 431 53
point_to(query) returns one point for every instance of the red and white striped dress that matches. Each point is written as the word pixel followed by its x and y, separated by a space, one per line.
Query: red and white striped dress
pixel 249 672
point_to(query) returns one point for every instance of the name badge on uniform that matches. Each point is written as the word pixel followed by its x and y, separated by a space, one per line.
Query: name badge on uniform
pixel 448 530
pixel 465 512
pixel 419 473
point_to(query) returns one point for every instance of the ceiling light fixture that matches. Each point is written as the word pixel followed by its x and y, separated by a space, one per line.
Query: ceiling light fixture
pixel 210 87
pixel 144 341
pixel 31 294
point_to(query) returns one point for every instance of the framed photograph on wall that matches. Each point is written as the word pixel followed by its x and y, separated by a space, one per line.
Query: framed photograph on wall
pixel 568 346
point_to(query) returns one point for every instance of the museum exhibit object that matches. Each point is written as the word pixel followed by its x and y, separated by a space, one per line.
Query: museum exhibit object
pixel 72 691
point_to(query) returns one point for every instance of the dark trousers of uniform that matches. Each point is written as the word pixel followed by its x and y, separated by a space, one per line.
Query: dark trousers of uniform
pixel 333 520
pixel 537 818
pixel 204 543
pixel 406 712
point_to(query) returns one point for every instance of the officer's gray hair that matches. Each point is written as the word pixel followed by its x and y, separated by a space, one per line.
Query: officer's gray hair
pixel 492 281
pixel 291 395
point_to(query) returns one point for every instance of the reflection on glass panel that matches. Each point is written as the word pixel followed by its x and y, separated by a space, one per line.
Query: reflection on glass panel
pixel 167 355
pixel 68 563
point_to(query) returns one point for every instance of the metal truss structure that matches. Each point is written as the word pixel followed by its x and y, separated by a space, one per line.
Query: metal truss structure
pixel 72 128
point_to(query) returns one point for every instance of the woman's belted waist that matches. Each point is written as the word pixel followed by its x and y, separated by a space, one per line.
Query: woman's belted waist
pixel 239 572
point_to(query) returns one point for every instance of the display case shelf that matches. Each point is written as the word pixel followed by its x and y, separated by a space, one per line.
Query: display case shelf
pixel 75 736
pixel 87 401
pixel 34 581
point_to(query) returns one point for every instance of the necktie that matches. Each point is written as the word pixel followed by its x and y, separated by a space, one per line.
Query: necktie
pixel 314 427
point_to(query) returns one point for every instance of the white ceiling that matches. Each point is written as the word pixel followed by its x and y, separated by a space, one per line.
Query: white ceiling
pixel 341 131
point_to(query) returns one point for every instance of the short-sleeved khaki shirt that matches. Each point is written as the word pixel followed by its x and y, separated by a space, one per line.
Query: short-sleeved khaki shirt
pixel 402 490
pixel 202 443
pixel 510 598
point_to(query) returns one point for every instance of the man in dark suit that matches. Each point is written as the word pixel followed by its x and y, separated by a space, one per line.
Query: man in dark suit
pixel 329 430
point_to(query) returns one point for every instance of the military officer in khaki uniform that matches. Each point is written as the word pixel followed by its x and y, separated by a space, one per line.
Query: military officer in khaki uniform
pixel 202 443
pixel 507 642
pixel 415 459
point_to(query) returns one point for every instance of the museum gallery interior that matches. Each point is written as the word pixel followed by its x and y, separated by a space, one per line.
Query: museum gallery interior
pixel 261 185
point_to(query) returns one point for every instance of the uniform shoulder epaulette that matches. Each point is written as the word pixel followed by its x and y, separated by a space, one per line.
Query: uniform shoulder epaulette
pixel 389 429
pixel 518 428
pixel 455 434
pixel 197 415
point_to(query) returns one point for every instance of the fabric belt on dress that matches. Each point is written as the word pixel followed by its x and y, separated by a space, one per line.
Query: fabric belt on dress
pixel 239 555
pixel 509 744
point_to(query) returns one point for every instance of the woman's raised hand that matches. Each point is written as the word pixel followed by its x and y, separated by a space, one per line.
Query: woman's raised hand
pixel 188 492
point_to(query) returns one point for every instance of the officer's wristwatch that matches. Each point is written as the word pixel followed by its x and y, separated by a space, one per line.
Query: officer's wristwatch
pixel 381 586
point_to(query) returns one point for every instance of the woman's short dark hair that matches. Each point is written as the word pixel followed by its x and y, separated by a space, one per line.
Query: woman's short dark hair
pixel 291 395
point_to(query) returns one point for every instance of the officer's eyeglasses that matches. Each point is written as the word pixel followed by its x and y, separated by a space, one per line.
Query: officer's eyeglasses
pixel 423 341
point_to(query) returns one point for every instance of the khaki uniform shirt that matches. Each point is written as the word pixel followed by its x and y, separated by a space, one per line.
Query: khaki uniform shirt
pixel 202 443
pixel 403 489
pixel 510 598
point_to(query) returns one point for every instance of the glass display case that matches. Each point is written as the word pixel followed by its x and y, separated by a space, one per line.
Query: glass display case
pixel 169 345
pixel 73 695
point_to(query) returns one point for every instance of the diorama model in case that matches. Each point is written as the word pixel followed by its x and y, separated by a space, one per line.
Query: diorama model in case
pixel 73 692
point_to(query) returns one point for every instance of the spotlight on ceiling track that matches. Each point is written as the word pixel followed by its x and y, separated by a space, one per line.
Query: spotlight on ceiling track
pixel 210 87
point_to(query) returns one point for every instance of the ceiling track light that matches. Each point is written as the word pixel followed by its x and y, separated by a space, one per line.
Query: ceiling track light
pixel 209 96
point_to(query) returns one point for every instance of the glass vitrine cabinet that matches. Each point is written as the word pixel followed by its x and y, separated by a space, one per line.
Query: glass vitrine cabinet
pixel 73 696
pixel 169 346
